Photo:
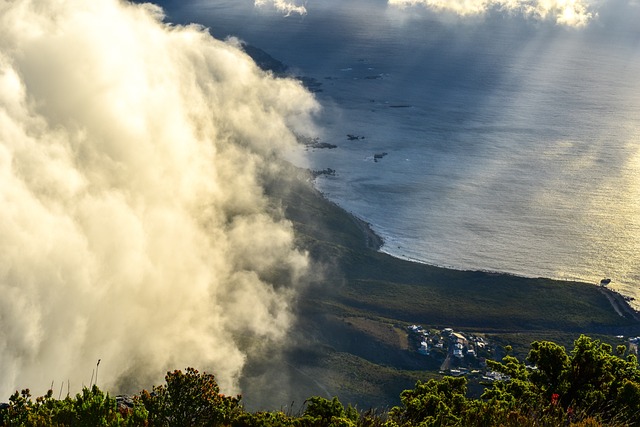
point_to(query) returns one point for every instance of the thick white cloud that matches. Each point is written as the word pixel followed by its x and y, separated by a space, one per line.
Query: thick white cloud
pixel 574 13
pixel 283 6
pixel 133 226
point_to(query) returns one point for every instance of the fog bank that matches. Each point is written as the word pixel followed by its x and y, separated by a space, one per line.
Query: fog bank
pixel 133 226
pixel 572 13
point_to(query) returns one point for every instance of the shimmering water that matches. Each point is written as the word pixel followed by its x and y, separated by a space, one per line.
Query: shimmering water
pixel 512 145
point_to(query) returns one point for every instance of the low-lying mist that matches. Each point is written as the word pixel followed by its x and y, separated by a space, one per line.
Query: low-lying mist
pixel 133 224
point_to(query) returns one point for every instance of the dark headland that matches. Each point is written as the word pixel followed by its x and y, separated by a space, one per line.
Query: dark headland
pixel 351 339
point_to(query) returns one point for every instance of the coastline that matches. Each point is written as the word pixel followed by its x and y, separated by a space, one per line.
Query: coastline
pixel 624 290
pixel 372 240
pixel 618 301
pixel 620 304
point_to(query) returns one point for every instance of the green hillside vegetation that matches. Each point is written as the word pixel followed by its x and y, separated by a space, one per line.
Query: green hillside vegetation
pixel 593 385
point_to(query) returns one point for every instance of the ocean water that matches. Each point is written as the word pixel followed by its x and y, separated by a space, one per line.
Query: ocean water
pixel 511 144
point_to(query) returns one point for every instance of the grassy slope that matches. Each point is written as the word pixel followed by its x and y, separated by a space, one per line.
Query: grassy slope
pixel 339 354
pixel 362 279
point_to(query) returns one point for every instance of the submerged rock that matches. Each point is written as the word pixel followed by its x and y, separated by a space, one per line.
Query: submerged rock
pixel 379 156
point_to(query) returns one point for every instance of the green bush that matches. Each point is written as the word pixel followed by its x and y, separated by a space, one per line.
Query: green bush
pixel 321 412
pixel 91 408
pixel 588 387
pixel 436 402
pixel 189 399
pixel 263 419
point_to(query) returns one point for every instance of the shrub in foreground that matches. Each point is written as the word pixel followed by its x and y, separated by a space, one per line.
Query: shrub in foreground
pixel 189 399
pixel 588 387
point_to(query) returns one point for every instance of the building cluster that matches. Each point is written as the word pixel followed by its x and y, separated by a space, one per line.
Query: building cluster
pixel 447 339
pixel 465 354
pixel 428 340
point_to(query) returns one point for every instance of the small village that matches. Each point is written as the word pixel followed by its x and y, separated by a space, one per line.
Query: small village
pixel 459 354
pixel 466 354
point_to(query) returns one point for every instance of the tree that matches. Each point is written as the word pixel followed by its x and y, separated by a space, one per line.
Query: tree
pixel 189 399
pixel 552 364
pixel 322 412
pixel 603 383
pixel 434 403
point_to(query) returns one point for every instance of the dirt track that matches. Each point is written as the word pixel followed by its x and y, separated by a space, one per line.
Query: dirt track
pixel 619 304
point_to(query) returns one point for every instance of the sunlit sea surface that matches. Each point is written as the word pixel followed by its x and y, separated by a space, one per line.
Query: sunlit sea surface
pixel 512 145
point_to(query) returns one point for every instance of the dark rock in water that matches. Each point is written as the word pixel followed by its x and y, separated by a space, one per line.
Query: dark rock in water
pixel 307 140
pixel 310 142
pixel 327 172
pixel 322 145
pixel 378 156
pixel 352 137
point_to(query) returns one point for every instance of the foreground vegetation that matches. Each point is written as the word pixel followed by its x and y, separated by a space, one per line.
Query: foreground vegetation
pixel 593 385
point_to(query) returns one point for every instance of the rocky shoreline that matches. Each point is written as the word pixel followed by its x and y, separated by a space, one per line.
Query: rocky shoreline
pixel 372 240
pixel 620 304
